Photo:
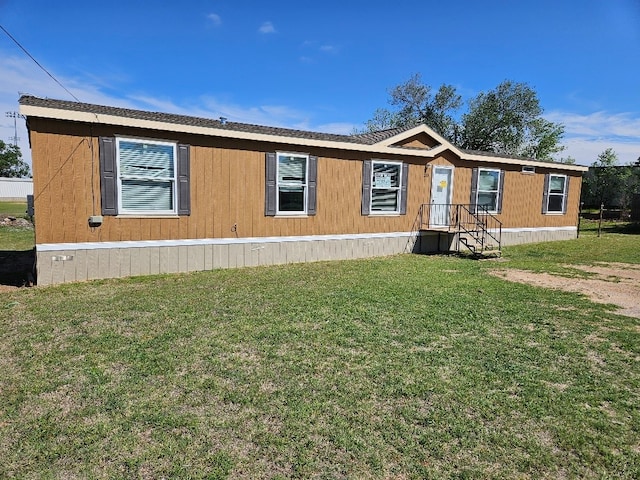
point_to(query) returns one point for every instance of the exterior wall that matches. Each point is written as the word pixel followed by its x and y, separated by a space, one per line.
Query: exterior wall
pixel 227 191
pixel 15 189
pixel 522 195
pixel 227 226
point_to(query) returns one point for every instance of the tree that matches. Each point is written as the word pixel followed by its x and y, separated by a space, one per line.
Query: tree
pixel 417 104
pixel 507 120
pixel 605 182
pixel 11 163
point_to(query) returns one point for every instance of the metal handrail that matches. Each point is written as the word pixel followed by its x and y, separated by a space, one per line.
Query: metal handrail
pixel 474 220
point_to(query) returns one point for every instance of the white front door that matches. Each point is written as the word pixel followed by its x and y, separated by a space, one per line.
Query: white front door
pixel 441 188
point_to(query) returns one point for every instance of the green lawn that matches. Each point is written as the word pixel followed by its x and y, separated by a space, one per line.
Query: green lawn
pixel 15 238
pixel 402 367
pixel 16 209
pixel 12 238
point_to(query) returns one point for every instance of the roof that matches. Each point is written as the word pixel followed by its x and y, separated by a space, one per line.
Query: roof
pixel 383 142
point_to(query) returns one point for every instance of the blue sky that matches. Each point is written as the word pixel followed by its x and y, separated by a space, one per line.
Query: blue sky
pixel 328 65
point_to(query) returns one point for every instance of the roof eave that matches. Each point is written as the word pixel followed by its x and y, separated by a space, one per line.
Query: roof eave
pixel 384 147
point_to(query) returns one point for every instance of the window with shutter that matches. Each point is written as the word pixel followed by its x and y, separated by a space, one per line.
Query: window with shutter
pixel 144 177
pixel 290 184
pixel 384 187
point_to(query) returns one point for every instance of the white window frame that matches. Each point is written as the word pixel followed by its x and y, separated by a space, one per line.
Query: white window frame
pixel 173 180
pixel 497 191
pixel 305 185
pixel 398 188
pixel 563 195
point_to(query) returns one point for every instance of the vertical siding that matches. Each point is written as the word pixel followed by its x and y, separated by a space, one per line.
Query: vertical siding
pixel 227 189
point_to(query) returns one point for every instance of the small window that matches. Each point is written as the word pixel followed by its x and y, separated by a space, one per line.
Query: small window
pixel 528 169
pixel 146 176
pixel 385 187
pixel 556 194
pixel 292 183
pixel 488 189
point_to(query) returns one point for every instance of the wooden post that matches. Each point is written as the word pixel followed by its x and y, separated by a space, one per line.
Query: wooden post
pixel 579 218
pixel 600 221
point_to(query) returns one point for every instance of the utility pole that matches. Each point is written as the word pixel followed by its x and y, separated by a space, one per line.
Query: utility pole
pixel 15 116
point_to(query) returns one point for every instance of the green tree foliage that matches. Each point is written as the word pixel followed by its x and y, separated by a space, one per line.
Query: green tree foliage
pixel 507 120
pixel 416 103
pixel 11 163
pixel 610 184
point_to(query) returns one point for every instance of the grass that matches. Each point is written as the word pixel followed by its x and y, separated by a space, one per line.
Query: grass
pixel 401 367
pixel 16 209
pixel 619 242
pixel 16 238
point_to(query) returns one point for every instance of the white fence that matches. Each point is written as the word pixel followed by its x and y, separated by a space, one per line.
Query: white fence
pixel 15 189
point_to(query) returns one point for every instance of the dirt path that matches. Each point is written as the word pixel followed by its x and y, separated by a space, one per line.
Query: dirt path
pixel 614 283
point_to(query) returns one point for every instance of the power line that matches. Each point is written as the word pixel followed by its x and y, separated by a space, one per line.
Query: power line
pixel 38 63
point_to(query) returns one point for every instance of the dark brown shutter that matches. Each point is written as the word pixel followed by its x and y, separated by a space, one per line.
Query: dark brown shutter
pixel 545 194
pixel 270 189
pixel 312 185
pixel 566 196
pixel 500 190
pixel 184 189
pixel 366 187
pixel 474 190
pixel 108 176
pixel 403 188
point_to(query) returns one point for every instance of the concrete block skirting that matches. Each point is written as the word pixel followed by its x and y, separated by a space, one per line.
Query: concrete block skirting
pixel 64 262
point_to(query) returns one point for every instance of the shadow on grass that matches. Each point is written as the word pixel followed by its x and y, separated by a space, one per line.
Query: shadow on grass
pixel 17 268
pixel 628 228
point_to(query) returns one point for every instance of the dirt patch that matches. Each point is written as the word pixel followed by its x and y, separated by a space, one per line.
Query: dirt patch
pixel 611 283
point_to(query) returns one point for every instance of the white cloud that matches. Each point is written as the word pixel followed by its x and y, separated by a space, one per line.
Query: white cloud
pixel 266 28
pixel 586 151
pixel 25 77
pixel 588 135
pixel 22 76
pixel 214 19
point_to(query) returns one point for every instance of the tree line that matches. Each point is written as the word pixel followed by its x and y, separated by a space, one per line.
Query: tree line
pixel 506 120
pixel 609 184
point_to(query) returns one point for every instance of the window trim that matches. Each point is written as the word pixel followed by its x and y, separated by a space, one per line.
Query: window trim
pixel 109 192
pixel 122 211
pixel 498 191
pixel 305 195
pixel 399 188
pixel 547 194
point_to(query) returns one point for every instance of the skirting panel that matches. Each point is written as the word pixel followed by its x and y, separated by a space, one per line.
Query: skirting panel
pixel 60 263
pixel 78 264
pixel 434 241
pixel 518 237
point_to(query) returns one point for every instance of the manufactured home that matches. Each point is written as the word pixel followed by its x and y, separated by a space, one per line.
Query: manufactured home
pixel 121 192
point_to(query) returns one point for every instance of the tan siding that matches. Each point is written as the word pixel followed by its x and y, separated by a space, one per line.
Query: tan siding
pixel 227 188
